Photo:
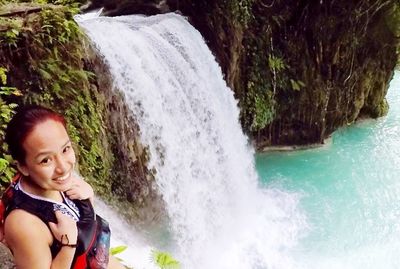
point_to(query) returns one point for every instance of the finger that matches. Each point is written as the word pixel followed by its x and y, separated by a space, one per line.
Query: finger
pixel 61 218
pixel 53 227
pixel 59 215
pixel 71 192
pixel 74 186
pixel 74 196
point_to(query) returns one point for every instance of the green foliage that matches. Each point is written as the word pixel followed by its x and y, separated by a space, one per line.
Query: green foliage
pixel 6 112
pixel 275 63
pixel 65 82
pixel 69 3
pixel 258 107
pixel 297 84
pixel 117 250
pixel 11 35
pixel 57 27
pixel 164 260
pixel 48 66
pixel 261 108
pixel 241 11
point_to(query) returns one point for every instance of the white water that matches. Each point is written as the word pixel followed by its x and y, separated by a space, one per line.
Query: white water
pixel 219 217
pixel 138 254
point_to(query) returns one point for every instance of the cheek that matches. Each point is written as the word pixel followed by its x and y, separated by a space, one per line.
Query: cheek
pixel 40 173
pixel 71 156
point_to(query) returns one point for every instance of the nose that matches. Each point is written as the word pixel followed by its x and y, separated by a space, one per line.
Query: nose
pixel 61 165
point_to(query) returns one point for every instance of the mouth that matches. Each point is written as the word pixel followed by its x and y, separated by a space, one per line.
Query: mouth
pixel 63 178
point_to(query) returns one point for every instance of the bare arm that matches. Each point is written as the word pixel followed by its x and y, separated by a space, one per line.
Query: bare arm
pixel 30 239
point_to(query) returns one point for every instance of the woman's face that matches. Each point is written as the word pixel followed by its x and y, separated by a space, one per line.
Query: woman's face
pixel 50 158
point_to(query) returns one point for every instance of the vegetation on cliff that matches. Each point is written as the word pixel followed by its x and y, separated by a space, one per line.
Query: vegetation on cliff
pixel 41 57
pixel 45 58
pixel 301 70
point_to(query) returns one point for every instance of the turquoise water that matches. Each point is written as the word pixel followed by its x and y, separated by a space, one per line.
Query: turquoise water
pixel 350 193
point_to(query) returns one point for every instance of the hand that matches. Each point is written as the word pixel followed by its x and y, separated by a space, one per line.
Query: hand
pixel 80 189
pixel 65 231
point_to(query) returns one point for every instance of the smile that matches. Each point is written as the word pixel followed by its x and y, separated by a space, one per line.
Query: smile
pixel 63 177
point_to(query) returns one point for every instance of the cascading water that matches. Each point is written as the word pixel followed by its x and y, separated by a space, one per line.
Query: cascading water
pixel 219 217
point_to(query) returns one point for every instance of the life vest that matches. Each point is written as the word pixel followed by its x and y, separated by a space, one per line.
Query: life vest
pixel 92 251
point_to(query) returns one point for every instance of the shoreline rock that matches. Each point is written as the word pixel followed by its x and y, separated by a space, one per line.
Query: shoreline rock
pixel 6 258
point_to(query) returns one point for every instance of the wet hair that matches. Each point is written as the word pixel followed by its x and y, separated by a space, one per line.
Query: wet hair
pixel 22 123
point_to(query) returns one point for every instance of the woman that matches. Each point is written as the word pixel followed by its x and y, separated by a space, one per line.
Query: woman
pixel 48 219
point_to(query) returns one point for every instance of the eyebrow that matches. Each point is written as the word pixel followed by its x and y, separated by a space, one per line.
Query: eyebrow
pixel 48 152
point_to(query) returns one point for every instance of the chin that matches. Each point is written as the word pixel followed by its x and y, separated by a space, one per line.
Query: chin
pixel 63 187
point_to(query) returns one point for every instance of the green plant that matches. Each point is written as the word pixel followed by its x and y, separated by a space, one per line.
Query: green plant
pixel 241 11
pixel 53 43
pixel 13 28
pixel 47 64
pixel 275 63
pixel 263 114
pixel 6 112
pixel 164 260
pixel 118 249
pixel 297 84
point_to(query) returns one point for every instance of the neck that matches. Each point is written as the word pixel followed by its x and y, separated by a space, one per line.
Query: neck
pixel 32 188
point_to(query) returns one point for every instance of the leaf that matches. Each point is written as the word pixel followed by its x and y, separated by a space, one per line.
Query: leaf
pixel 3 164
pixel 17 92
pixel 276 63
pixel 3 76
pixel 294 84
pixel 9 174
pixel 45 74
pixel 164 260
pixel 117 250
pixel 301 83
pixel 297 84
pixel 56 87
pixel 7 90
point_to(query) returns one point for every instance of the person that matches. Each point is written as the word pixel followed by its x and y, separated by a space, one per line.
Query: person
pixel 47 213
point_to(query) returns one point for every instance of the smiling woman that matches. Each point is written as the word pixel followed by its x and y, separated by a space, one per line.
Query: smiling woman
pixel 47 217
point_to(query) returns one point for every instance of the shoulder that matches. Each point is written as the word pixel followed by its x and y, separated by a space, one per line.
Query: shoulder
pixel 29 239
pixel 22 226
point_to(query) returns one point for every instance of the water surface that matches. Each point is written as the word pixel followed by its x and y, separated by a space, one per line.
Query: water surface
pixel 350 193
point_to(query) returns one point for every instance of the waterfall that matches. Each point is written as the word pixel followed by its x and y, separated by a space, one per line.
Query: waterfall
pixel 219 216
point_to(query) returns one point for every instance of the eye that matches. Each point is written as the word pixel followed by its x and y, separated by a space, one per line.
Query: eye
pixel 66 149
pixel 45 161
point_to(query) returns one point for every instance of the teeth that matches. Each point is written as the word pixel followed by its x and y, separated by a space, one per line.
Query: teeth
pixel 64 177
